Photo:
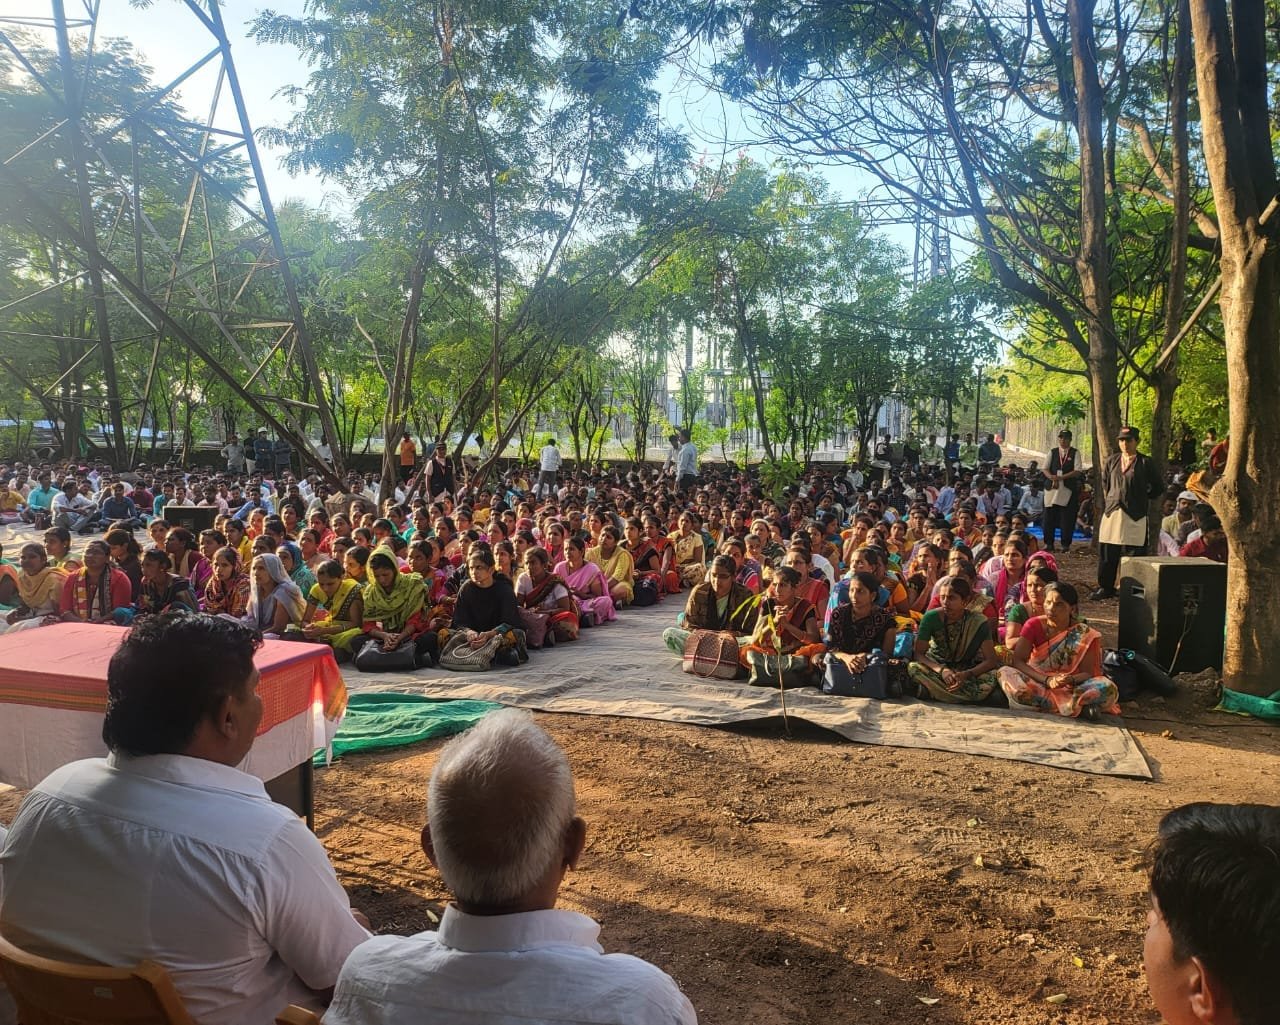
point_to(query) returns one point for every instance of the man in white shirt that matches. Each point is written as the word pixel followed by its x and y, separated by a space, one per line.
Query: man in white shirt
pixel 686 464
pixel 73 510
pixel 548 466
pixel 164 851
pixel 502 830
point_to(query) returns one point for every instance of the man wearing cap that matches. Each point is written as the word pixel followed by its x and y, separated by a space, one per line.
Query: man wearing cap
pixel 1064 476
pixel 437 480
pixel 1130 480
pixel 263 453
pixel 1181 513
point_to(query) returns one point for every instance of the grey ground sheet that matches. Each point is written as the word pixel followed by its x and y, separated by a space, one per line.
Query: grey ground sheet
pixel 623 669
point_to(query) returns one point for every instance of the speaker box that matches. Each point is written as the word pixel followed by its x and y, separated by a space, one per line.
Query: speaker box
pixel 194 518
pixel 1166 600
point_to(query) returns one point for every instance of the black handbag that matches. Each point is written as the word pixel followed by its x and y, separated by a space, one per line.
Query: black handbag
pixel 872 682
pixel 372 658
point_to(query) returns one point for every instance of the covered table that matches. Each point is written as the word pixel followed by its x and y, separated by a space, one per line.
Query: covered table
pixel 53 693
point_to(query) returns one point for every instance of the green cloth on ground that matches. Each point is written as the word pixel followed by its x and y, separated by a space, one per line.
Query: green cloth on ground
pixel 381 720
pixel 1250 704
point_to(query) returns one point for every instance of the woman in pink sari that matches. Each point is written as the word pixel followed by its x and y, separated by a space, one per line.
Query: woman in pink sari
pixel 586 582
pixel 1057 663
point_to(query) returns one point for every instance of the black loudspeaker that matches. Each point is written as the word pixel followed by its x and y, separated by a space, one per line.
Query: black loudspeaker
pixel 194 518
pixel 1167 601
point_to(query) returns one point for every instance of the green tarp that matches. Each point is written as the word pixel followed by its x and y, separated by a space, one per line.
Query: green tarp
pixel 1250 704
pixel 377 721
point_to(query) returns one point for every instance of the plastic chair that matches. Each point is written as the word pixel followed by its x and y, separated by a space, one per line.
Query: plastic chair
pixel 49 992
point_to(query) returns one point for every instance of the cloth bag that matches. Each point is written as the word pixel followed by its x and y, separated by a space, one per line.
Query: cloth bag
pixel 459 656
pixel 872 682
pixel 711 655
pixel 786 671
pixel 373 659
pixel 535 627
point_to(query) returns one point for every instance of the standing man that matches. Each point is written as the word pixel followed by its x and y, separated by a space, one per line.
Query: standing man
pixel 408 457
pixel 233 453
pixel 673 453
pixel 503 831
pixel 1065 475
pixel 263 453
pixel 686 464
pixel 548 467
pixel 1130 480
pixel 437 475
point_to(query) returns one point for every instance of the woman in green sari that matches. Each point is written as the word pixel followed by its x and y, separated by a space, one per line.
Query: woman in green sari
pixel 395 610
pixel 955 657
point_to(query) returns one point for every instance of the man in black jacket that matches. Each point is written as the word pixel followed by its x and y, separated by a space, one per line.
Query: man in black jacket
pixel 1130 480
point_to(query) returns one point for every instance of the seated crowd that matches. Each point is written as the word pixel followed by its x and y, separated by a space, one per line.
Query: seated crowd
pixel 930 565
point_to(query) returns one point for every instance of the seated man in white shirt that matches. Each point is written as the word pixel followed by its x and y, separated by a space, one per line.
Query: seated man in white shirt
pixel 502 831
pixel 165 851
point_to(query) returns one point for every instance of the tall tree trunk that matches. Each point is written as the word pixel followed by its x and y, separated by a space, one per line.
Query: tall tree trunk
pixel 1093 262
pixel 1165 375
pixel 1231 72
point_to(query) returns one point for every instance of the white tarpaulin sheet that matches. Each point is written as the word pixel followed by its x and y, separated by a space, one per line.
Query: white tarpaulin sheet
pixel 623 669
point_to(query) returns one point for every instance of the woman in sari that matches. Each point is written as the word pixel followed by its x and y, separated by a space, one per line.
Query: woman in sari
pixel 162 590
pixel 1032 604
pixel 184 552
pixel 616 564
pixel 548 612
pixel 39 589
pixel 1057 663
pixel 291 559
pixel 227 592
pixel 955 655
pixel 586 582
pixel 787 627
pixel 309 546
pixel 553 539
pixel 424 557
pixel 718 603
pixel 923 574
pixel 275 603
pixel 812 589
pixel 92 593
pixel 395 609
pixel 646 557
pixel 690 559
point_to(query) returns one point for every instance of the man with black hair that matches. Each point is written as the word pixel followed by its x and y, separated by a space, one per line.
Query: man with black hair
pixel 1213 929
pixel 165 851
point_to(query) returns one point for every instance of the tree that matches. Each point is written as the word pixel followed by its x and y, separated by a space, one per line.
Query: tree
pixel 1231 73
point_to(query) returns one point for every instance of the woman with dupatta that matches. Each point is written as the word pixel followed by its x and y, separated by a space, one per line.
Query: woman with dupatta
pixel 395 608
pixel 615 563
pixel 1057 663
pixel 955 655
pixel 162 590
pixel 335 610
pixel 275 603
pixel 548 612
pixel 586 583
pixel 227 592
pixel 787 632
pixel 39 588
pixel 92 593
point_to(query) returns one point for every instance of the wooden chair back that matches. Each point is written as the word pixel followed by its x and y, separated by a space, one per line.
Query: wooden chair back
pixel 295 1015
pixel 49 992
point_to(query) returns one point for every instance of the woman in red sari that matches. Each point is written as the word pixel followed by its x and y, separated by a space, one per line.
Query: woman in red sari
pixel 547 609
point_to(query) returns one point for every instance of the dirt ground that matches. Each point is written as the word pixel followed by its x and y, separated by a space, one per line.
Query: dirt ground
pixel 801 878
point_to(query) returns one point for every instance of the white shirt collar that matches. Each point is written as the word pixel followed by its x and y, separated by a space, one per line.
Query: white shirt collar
pixel 524 931
pixel 187 771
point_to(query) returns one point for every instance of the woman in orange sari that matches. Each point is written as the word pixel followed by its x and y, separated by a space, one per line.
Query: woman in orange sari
pixel 810 588
pixel 1057 663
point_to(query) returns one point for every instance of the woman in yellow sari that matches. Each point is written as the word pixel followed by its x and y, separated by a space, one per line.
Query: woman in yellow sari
pixel 615 562
pixel 690 555
pixel 1057 663
pixel 39 588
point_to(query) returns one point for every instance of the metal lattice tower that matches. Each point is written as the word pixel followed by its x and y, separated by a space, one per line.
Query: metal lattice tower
pixel 217 283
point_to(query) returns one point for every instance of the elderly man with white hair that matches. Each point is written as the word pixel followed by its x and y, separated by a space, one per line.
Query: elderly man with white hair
pixel 503 831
